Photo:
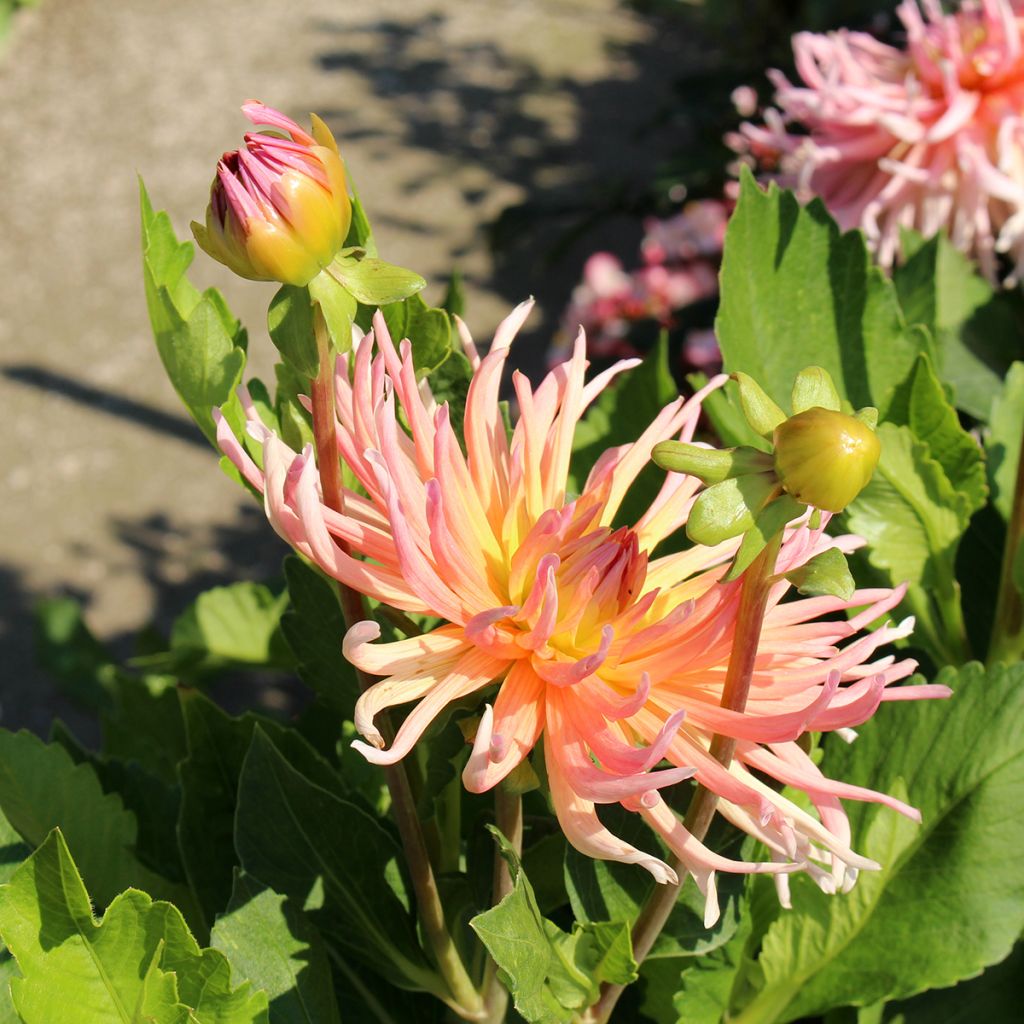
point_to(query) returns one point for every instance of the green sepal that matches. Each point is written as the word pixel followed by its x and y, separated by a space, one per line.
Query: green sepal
pixel 868 416
pixel 813 388
pixel 761 412
pixel 770 521
pixel 729 508
pixel 290 322
pixel 824 574
pixel 375 282
pixel 338 306
pixel 711 465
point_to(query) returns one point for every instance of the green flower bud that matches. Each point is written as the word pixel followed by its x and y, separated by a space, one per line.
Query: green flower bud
pixel 825 458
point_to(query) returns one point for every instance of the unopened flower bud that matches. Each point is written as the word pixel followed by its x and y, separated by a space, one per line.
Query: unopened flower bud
pixel 279 206
pixel 825 458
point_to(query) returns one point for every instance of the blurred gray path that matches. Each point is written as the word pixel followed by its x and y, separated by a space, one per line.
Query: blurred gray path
pixel 447 113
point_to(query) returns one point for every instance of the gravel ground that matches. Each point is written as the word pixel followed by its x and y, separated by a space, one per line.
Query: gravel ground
pixel 446 113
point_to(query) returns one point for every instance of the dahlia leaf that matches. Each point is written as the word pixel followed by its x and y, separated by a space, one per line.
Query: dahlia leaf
pixel 429 330
pixel 553 975
pixel 375 282
pixel 619 416
pixel 949 898
pixel 201 345
pixel 238 624
pixel 993 996
pixel 797 291
pixel 314 627
pixel 913 520
pixel 139 965
pixel 290 323
pixel 920 403
pixel 1004 438
pixel 217 745
pixel 268 940
pixel 975 328
pixel 296 836
pixel 42 788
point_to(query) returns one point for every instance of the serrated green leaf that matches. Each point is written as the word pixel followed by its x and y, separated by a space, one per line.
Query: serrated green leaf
pixel 949 898
pixel 552 975
pixel 909 512
pixel 921 404
pixel 290 833
pixel 449 383
pixel 1003 440
pixel 217 745
pixel 620 415
pixel 139 965
pixel 976 329
pixel 42 788
pixel 272 943
pixel 825 574
pixel 290 323
pixel 796 291
pixel 200 343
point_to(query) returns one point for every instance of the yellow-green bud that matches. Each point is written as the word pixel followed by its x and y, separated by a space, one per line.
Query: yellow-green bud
pixel 825 458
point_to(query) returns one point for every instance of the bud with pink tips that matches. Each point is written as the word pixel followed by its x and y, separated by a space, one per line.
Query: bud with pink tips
pixel 279 206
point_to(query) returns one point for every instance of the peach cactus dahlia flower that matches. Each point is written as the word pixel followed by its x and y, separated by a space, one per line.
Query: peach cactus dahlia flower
pixel 615 657
pixel 930 136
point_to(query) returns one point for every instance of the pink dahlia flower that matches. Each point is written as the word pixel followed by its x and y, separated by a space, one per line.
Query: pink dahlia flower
pixel 574 629
pixel 929 136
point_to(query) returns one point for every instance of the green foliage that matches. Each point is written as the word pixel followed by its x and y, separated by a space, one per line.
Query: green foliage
pixel 201 345
pixel 41 788
pixel 139 965
pixel 296 836
pixel 827 573
pixel 796 291
pixel 976 329
pixel 1004 439
pixel 217 747
pixel 619 416
pixel 552 975
pixel 374 282
pixel 948 900
pixel 290 323
pixel 428 329
pixel 269 941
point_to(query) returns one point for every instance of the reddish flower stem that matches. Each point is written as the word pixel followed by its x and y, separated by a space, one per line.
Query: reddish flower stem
pixel 757 584
pixel 465 999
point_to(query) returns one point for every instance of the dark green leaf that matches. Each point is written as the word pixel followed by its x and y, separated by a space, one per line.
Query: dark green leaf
pixel 66 648
pixel 217 746
pixel 429 330
pixel 295 836
pixel 454 303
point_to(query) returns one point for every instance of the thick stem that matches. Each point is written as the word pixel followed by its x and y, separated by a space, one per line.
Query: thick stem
pixel 466 1000
pixel 1008 628
pixel 757 584
pixel 508 815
